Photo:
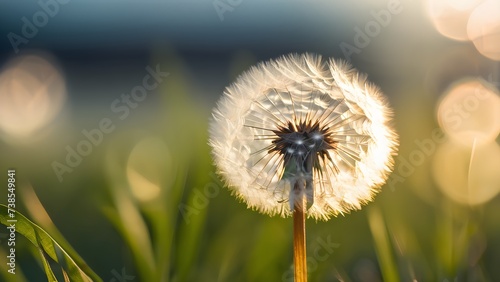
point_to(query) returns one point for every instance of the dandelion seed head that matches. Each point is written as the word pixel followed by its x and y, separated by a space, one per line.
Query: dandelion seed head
pixel 300 121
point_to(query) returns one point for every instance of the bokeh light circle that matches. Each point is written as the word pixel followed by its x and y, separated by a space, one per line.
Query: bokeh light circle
pixel 470 112
pixel 468 175
pixel 483 29
pixel 450 17
pixel 148 163
pixel 32 93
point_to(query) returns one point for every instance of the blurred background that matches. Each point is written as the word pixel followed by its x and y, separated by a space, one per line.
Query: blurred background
pixel 104 107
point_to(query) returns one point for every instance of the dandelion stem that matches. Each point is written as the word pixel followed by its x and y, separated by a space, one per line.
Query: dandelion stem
pixel 299 240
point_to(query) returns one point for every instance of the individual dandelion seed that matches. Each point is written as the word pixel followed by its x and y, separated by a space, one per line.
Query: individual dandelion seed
pixel 299 136
pixel 299 126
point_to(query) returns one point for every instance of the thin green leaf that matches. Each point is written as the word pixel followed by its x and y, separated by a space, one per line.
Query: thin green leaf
pixel 40 215
pixel 42 240
pixel 46 266
pixel 382 244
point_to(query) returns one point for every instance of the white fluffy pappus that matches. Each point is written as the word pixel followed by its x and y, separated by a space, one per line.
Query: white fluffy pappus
pixel 299 123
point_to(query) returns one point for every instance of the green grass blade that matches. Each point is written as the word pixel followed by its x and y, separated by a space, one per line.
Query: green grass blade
pixel 382 245
pixel 36 211
pixel 46 244
pixel 46 266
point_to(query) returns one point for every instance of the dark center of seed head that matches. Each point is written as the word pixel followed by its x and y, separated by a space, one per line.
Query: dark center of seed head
pixel 303 143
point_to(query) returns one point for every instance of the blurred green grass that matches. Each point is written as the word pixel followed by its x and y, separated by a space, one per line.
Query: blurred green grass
pixel 421 235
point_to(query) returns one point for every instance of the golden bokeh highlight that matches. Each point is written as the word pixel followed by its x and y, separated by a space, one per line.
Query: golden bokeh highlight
pixel 450 18
pixel 470 112
pixel 483 29
pixel 468 175
pixel 32 93
pixel 148 163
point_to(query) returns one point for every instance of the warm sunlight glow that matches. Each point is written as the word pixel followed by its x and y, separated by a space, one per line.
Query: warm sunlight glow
pixel 32 92
pixel 468 175
pixel 483 29
pixel 148 161
pixel 450 17
pixel 470 110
